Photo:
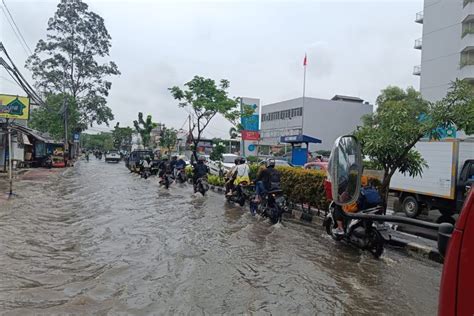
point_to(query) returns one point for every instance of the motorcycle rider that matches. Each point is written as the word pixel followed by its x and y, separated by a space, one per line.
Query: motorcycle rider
pixel 200 169
pixel 267 180
pixel 146 165
pixel 174 160
pixel 230 177
pixel 164 167
pixel 242 172
pixel 180 165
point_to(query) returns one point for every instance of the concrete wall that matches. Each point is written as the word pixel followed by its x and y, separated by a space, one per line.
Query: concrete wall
pixel 323 119
pixel 442 44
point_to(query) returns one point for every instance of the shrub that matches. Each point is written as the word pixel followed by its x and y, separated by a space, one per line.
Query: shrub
pixel 215 180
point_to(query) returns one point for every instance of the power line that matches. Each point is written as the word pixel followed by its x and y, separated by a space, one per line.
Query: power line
pixel 16 26
pixel 14 32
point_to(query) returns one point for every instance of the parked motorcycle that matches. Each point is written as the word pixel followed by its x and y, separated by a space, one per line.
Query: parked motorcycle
pixel 273 205
pixel 363 233
pixel 201 186
pixel 239 194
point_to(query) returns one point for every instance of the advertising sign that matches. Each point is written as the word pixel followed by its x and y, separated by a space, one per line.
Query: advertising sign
pixel 250 123
pixel 250 135
pixel 76 137
pixel 15 107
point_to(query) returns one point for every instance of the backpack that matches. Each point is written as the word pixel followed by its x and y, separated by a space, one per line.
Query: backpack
pixel 275 179
pixel 372 197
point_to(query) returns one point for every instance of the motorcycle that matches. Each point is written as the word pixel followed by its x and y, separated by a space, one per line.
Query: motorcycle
pixel 181 175
pixel 201 186
pixel 166 180
pixel 273 206
pixel 239 194
pixel 361 232
pixel 145 173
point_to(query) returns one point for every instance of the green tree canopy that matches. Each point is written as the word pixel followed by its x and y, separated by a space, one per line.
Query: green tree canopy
pixel 122 137
pixel 205 99
pixel 103 141
pixel 403 118
pixel 50 118
pixel 168 138
pixel 67 61
pixel 144 127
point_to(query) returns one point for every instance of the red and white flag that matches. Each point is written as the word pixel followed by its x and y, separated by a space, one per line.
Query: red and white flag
pixel 305 60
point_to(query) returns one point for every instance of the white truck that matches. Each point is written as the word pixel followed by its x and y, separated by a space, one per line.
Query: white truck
pixel 443 183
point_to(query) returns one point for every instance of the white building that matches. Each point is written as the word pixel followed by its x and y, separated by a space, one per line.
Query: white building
pixel 447 45
pixel 319 118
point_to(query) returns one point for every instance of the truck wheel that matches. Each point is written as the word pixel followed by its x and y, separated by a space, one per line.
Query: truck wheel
pixel 411 207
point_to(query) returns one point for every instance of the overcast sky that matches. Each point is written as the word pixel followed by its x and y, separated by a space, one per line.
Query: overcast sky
pixel 354 48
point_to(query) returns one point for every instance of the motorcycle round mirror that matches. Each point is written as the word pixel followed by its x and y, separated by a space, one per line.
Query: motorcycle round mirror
pixel 345 170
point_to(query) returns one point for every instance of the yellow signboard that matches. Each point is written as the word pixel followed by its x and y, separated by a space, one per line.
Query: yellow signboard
pixel 15 107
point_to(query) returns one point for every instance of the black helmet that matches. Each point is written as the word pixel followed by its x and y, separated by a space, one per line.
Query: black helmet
pixel 237 160
pixel 201 158
pixel 242 160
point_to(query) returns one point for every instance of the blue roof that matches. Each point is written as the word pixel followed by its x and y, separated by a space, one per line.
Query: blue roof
pixel 299 139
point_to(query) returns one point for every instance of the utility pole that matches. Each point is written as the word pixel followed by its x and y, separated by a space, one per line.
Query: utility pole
pixel 5 147
pixel 10 153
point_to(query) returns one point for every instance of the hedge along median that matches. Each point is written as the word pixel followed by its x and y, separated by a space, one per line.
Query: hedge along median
pixel 300 186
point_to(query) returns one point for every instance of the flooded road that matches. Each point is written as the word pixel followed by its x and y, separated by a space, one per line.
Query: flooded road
pixel 99 240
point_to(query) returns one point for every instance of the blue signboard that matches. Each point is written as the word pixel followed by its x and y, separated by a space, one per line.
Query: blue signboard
pixel 251 147
pixel 299 156
pixel 76 137
pixel 250 123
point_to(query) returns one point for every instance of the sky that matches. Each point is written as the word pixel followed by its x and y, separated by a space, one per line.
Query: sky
pixel 354 48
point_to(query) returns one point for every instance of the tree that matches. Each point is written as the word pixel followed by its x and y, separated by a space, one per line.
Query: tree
pixel 218 149
pixel 102 141
pixel 402 119
pixel 122 137
pixel 205 99
pixel 168 138
pixel 145 129
pixel 49 119
pixel 66 61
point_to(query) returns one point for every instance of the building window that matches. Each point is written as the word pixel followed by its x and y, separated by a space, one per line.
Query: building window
pixel 467 28
pixel 467 58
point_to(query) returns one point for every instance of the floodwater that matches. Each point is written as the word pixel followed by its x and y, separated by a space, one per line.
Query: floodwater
pixel 96 239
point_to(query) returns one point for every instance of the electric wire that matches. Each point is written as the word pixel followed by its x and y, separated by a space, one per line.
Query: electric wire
pixel 17 28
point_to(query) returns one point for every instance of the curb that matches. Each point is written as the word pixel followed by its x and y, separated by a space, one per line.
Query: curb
pixel 315 218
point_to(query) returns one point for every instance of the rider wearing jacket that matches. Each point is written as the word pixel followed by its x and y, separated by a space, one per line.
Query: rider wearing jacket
pixel 267 180
pixel 200 169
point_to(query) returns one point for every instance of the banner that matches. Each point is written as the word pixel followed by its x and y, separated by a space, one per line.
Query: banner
pixel 250 135
pixel 15 107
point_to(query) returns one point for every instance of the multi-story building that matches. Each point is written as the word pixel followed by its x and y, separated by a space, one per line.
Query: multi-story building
pixel 447 45
pixel 319 118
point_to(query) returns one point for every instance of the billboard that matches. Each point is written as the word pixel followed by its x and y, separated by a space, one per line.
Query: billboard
pixel 15 107
pixel 250 135
pixel 250 123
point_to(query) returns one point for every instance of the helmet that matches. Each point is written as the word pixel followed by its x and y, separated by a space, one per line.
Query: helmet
pixel 237 161
pixel 270 163
pixel 165 158
pixel 242 160
pixel 201 158
pixel 174 157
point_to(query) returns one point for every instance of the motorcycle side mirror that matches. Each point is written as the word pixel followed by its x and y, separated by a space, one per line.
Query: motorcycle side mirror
pixel 345 170
pixel 445 231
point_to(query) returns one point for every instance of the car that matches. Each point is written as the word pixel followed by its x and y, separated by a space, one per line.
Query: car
pixel 222 166
pixel 457 279
pixel 135 157
pixel 278 163
pixel 112 156
pixel 317 165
